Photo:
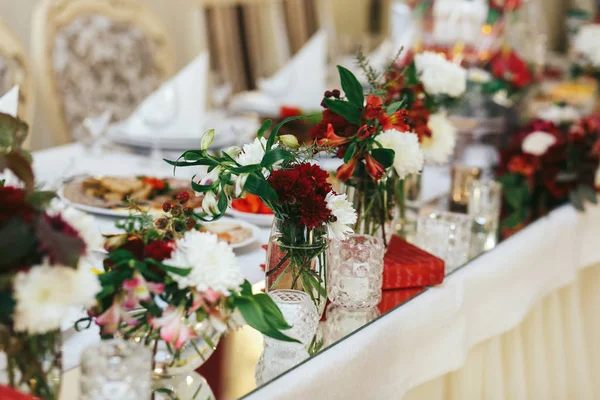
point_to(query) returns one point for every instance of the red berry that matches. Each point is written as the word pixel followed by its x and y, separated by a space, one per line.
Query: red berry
pixel 328 94
pixel 176 210
pixel 188 210
pixel 323 104
pixel 336 93
pixel 183 197
pixel 190 223
pixel 166 206
pixel 161 223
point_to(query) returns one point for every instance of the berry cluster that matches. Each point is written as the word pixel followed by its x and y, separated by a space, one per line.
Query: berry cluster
pixel 178 217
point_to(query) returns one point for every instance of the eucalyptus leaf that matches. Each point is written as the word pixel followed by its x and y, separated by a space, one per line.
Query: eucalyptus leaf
pixel 351 87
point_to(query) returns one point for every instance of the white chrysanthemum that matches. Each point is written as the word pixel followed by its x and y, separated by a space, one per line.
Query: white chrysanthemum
pixel 440 76
pixel 409 157
pixel 479 75
pixel 560 114
pixel 537 143
pixel 344 214
pixel 82 222
pixel 252 153
pixel 439 147
pixel 213 263
pixel 43 296
pixel 587 44
pixel 85 286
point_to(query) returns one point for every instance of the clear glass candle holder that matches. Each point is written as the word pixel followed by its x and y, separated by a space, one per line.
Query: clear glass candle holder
pixel 342 321
pixel 355 271
pixel 485 199
pixel 446 235
pixel 116 369
pixel 300 312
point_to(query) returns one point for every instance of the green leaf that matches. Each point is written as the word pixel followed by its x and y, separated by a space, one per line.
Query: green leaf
pixel 273 156
pixel 276 129
pixel 347 110
pixel 190 163
pixel 513 220
pixel 351 87
pixel 576 200
pixel 174 270
pixel 40 199
pixel 392 108
pixel 19 165
pixel 493 16
pixel 203 188
pixel 350 152
pixel 272 313
pixel 588 193
pixel 412 78
pixel 17 241
pixel 263 128
pixel 261 188
pixel 255 317
pixel 7 305
pixel 246 289
pixel 385 157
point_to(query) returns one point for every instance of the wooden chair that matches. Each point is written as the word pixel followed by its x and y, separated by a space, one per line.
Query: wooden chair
pixel 14 69
pixel 96 55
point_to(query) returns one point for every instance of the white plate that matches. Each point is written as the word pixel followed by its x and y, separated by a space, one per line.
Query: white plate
pixel 253 218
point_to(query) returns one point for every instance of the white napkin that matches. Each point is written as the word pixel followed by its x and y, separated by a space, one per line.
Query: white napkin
pixel 182 101
pixel 302 81
pixel 9 103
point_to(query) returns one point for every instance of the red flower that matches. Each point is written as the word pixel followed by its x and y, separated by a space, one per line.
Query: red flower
pixel 418 118
pixel 289 185
pixel 13 204
pixel 374 107
pixel 345 171
pixel 395 121
pixel 286 112
pixel 313 211
pixel 523 164
pixel 316 176
pixel 339 124
pixel 366 131
pixel 159 250
pixel 158 184
pixel 507 65
pixel 331 139
pixel 505 5
pixel 374 168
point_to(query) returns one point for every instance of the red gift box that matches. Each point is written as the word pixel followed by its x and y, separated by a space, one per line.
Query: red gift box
pixel 7 393
pixel 393 298
pixel 407 266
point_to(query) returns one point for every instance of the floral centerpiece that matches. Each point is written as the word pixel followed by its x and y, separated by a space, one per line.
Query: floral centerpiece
pixel 382 138
pixel 42 271
pixel 547 165
pixel 307 210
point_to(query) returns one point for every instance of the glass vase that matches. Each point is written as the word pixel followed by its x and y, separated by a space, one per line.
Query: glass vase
pixel 296 259
pixel 376 204
pixel 32 363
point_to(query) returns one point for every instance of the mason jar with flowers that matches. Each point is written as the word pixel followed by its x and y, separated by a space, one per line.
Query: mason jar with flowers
pixel 307 210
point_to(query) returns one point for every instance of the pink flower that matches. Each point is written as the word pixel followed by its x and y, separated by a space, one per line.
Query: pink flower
pixel 172 327
pixel 138 289
pixel 110 320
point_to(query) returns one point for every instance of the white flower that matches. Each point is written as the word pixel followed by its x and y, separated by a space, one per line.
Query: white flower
pixel 213 263
pixel 537 143
pixel 559 114
pixel 344 214
pixel 479 75
pixel 440 76
pixel 207 138
pixel 501 98
pixel 211 177
pixel 238 183
pixel 82 222
pixel 45 293
pixel 210 204
pixel 587 44
pixel 252 153
pixel 409 157
pixel 440 146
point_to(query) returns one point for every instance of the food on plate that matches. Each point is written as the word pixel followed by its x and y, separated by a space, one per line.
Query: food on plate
pixel 251 204
pixel 230 232
pixel 111 192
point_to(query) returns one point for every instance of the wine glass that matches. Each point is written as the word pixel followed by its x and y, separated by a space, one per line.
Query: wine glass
pixel 95 127
pixel 157 115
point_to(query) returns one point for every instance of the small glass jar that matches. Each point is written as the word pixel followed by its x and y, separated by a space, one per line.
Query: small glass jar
pixel 446 235
pixel 485 200
pixel 116 369
pixel 355 272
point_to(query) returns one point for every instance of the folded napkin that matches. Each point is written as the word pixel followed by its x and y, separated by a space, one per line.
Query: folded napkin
pixel 300 83
pixel 182 101
pixel 407 266
pixel 9 103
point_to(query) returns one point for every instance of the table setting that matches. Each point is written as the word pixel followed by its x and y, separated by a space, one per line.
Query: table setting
pixel 401 246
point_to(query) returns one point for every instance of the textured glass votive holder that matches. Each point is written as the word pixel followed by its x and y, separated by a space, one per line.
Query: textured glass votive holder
pixel 461 178
pixel 446 235
pixel 485 200
pixel 355 271
pixel 116 369
pixel 300 312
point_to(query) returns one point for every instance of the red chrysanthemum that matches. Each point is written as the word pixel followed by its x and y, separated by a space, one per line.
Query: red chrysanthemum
pixel 507 65
pixel 313 211
pixel 289 185
pixel 316 176
pixel 159 250
pixel 13 204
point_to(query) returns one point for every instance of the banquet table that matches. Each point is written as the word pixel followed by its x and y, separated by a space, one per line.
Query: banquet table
pixel 515 323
